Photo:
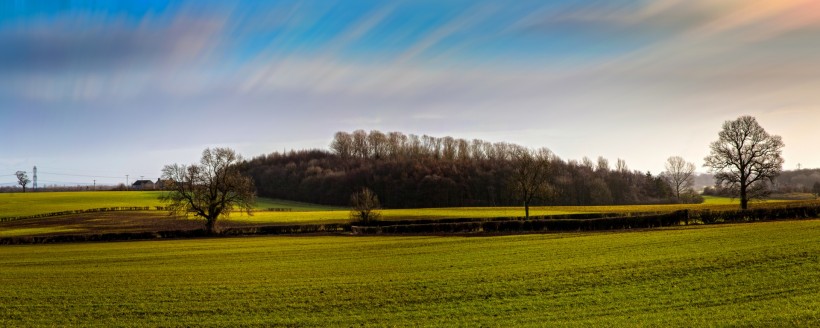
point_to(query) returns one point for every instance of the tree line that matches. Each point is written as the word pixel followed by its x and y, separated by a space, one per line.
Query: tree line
pixel 410 171
pixel 446 172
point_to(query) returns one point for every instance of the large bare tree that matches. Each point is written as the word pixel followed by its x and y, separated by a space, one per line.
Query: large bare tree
pixel 22 179
pixel 531 173
pixel 744 158
pixel 679 174
pixel 211 189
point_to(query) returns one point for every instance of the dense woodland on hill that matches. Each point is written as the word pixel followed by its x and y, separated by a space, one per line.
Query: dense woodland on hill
pixel 410 171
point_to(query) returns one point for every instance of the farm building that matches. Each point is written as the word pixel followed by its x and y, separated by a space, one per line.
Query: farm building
pixel 163 184
pixel 143 185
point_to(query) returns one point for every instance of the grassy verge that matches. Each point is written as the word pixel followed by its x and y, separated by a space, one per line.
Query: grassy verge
pixel 761 274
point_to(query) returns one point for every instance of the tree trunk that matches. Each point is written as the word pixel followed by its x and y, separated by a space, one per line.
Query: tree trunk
pixel 527 209
pixel 210 226
pixel 744 201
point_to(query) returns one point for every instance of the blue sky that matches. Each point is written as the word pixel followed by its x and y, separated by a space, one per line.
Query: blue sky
pixel 109 88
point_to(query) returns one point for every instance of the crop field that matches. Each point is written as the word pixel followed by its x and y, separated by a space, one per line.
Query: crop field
pixel 19 204
pixel 758 274
pixel 12 204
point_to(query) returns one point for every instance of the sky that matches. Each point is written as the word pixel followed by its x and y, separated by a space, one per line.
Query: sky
pixel 97 90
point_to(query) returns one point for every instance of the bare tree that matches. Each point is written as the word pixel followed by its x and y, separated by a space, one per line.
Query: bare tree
pixel 211 189
pixel 531 169
pixel 679 174
pixel 816 189
pixel 744 157
pixel 377 142
pixel 603 165
pixel 365 206
pixel 620 166
pixel 342 144
pixel 360 148
pixel 22 179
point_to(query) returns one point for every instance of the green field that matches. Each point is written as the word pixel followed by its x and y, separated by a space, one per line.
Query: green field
pixel 21 204
pixel 758 274
pixel 14 204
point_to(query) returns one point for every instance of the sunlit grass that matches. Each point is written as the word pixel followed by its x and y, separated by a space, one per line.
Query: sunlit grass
pixel 31 203
pixel 714 203
pixel 17 204
pixel 760 274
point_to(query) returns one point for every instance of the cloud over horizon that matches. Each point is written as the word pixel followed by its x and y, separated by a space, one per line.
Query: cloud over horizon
pixel 571 76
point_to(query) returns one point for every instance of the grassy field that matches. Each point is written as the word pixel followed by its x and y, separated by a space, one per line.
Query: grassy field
pixel 20 204
pixel 759 274
pixel 715 203
pixel 33 203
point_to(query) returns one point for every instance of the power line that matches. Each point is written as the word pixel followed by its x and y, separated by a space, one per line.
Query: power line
pixel 81 175
pixel 65 182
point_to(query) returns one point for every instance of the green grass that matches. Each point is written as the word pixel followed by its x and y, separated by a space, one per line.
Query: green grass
pixel 303 213
pixel 715 203
pixel 715 200
pixel 759 274
pixel 265 203
pixel 394 214
pixel 21 204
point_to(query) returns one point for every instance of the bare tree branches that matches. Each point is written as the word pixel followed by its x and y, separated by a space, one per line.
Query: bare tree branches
pixel 365 206
pixel 679 174
pixel 744 158
pixel 211 189
pixel 531 172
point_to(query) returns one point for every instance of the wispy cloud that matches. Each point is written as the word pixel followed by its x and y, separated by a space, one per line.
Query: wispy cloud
pixel 577 67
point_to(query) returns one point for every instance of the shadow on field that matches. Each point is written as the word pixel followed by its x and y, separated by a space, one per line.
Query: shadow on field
pixel 107 222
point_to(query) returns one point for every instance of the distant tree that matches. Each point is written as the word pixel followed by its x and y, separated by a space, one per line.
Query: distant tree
pixel 22 179
pixel 377 142
pixel 816 189
pixel 744 157
pixel 365 206
pixel 415 172
pixel 531 172
pixel 680 175
pixel 621 166
pixel 360 147
pixel 342 145
pixel 211 189
pixel 603 165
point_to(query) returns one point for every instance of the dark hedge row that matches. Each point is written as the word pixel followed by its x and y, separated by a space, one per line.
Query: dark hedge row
pixel 583 216
pixel 262 230
pixel 763 214
pixel 589 222
pixel 287 229
pixel 102 237
pixel 113 209
pixel 535 224
pixel 584 222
